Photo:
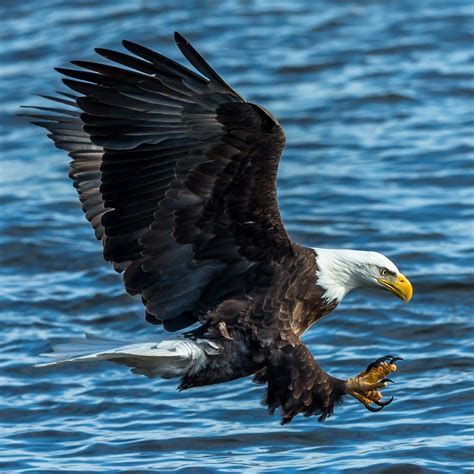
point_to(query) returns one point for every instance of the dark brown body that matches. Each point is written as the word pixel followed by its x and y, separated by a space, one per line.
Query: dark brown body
pixel 273 351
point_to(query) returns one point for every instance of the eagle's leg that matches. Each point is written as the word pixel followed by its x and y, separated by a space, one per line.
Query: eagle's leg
pixel 366 387
pixel 297 384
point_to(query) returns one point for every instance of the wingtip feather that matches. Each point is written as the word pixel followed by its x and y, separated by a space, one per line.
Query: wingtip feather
pixel 179 38
pixel 126 43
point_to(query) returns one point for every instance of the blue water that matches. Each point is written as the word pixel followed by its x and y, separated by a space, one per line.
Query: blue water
pixel 377 102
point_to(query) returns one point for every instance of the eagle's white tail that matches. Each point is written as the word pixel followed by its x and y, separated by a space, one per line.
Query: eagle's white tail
pixel 167 358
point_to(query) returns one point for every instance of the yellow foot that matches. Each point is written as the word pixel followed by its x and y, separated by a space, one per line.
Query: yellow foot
pixel 366 386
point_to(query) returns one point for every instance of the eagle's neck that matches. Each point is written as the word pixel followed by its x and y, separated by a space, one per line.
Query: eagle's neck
pixel 340 271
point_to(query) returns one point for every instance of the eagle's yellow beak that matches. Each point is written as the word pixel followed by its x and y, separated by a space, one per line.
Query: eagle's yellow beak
pixel 401 287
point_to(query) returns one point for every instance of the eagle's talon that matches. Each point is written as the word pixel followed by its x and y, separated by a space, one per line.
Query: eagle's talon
pixel 379 361
pixel 373 409
pixel 222 328
pixel 383 404
pixel 366 387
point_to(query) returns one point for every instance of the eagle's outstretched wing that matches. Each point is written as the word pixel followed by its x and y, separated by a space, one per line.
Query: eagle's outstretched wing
pixel 177 175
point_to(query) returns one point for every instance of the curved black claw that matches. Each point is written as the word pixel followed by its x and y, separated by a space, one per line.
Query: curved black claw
pixel 379 361
pixel 388 380
pixel 383 404
pixel 373 409
pixel 394 359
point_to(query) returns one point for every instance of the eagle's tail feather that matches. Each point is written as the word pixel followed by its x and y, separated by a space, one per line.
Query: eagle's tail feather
pixel 167 358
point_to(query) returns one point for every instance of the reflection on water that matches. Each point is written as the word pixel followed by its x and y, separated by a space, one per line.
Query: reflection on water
pixel 376 101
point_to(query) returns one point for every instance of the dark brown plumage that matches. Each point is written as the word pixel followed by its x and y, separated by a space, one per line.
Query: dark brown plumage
pixel 177 175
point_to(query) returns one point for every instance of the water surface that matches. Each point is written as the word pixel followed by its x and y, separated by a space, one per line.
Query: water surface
pixel 377 102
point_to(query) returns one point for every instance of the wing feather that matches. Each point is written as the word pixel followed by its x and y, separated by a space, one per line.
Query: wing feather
pixel 177 174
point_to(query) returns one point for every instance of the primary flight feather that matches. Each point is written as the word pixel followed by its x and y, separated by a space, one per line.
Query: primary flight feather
pixel 176 173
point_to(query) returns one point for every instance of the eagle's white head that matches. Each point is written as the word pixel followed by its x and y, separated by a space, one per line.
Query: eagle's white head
pixel 340 271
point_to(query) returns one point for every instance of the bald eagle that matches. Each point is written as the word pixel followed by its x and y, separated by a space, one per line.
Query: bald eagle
pixel 176 173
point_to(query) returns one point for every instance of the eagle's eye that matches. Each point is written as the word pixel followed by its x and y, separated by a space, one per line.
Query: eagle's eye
pixel 384 272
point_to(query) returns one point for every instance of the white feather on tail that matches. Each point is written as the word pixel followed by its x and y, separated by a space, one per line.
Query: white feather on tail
pixel 167 358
